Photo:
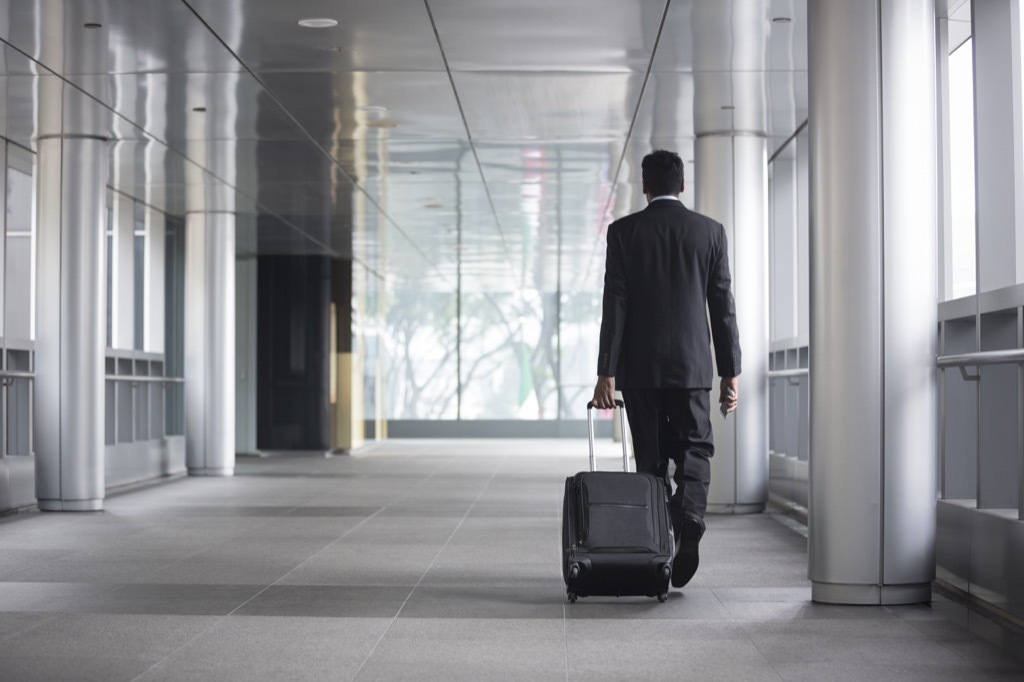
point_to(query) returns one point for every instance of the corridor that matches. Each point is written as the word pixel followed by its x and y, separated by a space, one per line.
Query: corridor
pixel 424 560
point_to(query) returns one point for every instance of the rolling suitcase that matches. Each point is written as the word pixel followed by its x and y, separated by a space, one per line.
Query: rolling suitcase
pixel 616 539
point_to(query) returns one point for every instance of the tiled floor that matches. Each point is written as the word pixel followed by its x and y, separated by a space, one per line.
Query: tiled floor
pixel 423 561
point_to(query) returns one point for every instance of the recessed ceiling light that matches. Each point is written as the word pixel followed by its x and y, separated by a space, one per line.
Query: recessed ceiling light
pixel 199 109
pixel 374 111
pixel 318 22
pixel 782 20
pixel 93 24
pixel 727 107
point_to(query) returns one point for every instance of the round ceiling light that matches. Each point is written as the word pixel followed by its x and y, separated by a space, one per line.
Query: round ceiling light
pixel 318 22
pixel 781 20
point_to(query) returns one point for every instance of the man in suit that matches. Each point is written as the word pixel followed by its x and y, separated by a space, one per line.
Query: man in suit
pixel 666 275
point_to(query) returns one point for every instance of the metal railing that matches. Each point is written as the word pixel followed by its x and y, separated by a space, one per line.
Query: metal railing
pixel 962 361
pixel 18 439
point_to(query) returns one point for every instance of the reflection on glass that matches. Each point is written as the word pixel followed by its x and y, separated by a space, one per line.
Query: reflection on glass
pixel 581 329
pixel 509 355
pixel 961 158
pixel 419 355
pixel 19 266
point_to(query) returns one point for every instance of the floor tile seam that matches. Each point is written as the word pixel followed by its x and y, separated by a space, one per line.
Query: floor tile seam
pixel 945 645
pixel 337 540
pixel 216 622
pixel 565 638
pixel 224 618
pixel 764 656
pixel 42 622
pixel 387 629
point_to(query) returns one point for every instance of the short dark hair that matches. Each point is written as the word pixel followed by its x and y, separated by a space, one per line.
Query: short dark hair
pixel 662 172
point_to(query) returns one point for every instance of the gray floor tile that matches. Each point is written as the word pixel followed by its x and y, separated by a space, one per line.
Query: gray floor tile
pixel 47 596
pixel 163 599
pixel 425 650
pixel 688 604
pixel 78 668
pixel 327 601
pixel 485 601
pixel 624 649
pixel 866 671
pixel 16 622
pixel 882 641
pixel 250 648
pixel 437 560
pixel 344 564
pixel 114 637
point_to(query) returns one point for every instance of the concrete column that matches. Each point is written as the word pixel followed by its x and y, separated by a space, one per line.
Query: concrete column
pixel 71 308
pixel 873 289
pixel 732 187
pixel 210 343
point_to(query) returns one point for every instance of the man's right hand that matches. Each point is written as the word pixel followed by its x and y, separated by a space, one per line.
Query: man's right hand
pixel 604 393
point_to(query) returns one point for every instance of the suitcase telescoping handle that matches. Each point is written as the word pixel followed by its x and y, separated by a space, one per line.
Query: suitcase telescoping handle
pixel 622 424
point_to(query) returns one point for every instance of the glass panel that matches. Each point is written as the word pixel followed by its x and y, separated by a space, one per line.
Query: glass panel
pixel 140 275
pixel 581 330
pixel 19 270
pixel 174 255
pixel 508 356
pixel 961 157
pixel 420 355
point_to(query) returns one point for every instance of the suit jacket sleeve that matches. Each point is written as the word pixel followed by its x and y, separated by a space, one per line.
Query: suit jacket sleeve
pixel 614 307
pixel 722 312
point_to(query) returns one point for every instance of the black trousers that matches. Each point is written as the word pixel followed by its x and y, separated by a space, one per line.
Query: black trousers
pixel 674 424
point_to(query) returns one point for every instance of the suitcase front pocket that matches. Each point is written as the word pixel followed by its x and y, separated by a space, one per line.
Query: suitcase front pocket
pixel 616 513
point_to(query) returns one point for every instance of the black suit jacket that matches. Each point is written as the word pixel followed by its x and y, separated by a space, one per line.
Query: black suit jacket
pixel 667 274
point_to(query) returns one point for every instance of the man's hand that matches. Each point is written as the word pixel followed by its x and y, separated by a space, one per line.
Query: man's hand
pixel 604 393
pixel 730 393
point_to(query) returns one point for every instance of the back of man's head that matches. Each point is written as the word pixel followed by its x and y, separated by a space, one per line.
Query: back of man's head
pixel 662 173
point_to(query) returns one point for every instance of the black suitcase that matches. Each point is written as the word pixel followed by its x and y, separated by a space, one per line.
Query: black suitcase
pixel 616 539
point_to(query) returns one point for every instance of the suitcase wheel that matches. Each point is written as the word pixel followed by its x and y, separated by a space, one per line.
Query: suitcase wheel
pixel 666 571
pixel 572 597
pixel 574 571
pixel 663 597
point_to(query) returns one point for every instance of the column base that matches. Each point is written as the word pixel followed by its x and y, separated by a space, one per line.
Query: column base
pixel 735 508
pixel 70 505
pixel 870 595
pixel 230 471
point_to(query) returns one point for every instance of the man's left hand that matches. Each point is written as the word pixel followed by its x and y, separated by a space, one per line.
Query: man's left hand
pixel 604 393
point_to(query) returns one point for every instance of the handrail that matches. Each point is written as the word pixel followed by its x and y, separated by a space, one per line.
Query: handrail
pixel 989 357
pixel 146 379
pixel 783 373
pixel 10 374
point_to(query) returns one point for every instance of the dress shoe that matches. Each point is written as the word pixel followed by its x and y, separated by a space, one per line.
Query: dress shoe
pixel 688 534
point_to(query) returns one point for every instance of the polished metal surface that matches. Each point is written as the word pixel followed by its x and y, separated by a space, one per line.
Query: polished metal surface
pixel 873 301
pixel 846 276
pixel 69 390
pixel 910 220
pixel 732 188
pixel 210 343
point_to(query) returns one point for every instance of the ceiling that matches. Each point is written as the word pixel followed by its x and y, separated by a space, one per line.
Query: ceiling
pixel 481 141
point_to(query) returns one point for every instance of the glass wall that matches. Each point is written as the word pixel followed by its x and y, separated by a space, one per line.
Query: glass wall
pixel 961 171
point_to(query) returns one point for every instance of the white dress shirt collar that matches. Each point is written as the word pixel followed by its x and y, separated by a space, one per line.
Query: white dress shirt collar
pixel 666 196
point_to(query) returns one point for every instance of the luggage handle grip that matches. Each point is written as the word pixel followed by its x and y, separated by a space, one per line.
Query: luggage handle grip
pixel 622 426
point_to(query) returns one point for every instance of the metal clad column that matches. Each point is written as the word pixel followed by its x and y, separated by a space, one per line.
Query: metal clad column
pixel 732 187
pixel 210 343
pixel 873 295
pixel 71 315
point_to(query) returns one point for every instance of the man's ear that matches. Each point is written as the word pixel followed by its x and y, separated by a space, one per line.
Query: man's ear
pixel 643 187
pixel 682 186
